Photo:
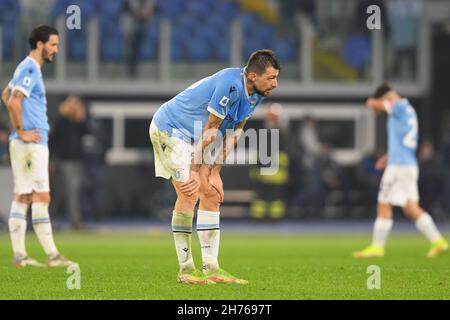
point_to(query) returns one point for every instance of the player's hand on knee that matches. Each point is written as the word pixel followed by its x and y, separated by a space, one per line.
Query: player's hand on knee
pixel 192 185
pixel 205 184
pixel 216 183
pixel 29 136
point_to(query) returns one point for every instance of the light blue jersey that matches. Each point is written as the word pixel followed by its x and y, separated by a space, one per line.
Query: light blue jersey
pixel 28 80
pixel 223 94
pixel 402 133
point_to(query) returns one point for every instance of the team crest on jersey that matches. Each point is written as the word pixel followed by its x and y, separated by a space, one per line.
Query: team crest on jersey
pixel 224 101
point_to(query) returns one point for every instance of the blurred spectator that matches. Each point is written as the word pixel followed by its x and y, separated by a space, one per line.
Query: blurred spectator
pixel 430 167
pixel 4 133
pixel 271 189
pixel 94 151
pixel 311 191
pixel 445 193
pixel 404 19
pixel 3 146
pixel 138 13
pixel 321 179
pixel 368 177
pixel 67 152
pixel 288 11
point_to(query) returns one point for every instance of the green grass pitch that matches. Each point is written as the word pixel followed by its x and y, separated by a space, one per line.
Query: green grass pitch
pixel 142 265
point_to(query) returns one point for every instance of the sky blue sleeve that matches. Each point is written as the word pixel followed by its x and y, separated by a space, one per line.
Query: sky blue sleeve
pixel 222 98
pixel 24 80
pixel 398 109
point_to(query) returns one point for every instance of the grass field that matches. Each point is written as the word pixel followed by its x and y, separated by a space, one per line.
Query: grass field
pixel 142 265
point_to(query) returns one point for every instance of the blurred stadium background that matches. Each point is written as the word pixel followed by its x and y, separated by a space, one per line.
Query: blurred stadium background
pixel 123 65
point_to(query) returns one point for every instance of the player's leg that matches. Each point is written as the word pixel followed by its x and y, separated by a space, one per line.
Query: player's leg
pixel 389 194
pixel 40 200
pixel 208 216
pixel 208 225
pixel 425 224
pixel 422 219
pixel 172 160
pixel 17 229
pixel 17 223
pixel 43 229
pixel 381 229
pixel 182 217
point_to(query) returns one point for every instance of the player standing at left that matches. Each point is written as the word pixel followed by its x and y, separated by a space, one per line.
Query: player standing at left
pixel 25 100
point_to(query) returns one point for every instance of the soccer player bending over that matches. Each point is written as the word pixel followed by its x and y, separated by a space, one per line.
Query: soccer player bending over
pixel 398 185
pixel 180 132
pixel 27 106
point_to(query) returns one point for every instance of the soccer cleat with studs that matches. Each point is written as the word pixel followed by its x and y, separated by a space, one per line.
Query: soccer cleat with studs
pixel 193 277
pixel 222 276
pixel 371 251
pixel 26 261
pixel 59 261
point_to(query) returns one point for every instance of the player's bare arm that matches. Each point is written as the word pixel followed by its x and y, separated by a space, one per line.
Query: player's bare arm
pixel 378 105
pixel 5 95
pixel 382 162
pixel 14 106
pixel 230 143
pixel 208 137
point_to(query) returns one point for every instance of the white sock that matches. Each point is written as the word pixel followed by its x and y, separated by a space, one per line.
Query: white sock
pixel 43 227
pixel 425 224
pixel 208 230
pixel 381 230
pixel 18 227
pixel 182 234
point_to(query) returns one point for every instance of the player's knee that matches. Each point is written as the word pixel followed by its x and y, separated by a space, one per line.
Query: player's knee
pixel 211 201
pixel 43 197
pixel 23 198
pixel 412 210
pixel 185 202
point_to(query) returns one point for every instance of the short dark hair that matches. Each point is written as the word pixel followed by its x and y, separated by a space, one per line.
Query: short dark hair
pixel 260 60
pixel 382 90
pixel 41 33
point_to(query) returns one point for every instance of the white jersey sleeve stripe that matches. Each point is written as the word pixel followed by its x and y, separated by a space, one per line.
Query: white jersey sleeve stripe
pixel 21 89
pixel 388 106
pixel 214 112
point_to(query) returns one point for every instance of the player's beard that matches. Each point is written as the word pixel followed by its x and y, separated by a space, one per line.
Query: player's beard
pixel 46 57
pixel 261 93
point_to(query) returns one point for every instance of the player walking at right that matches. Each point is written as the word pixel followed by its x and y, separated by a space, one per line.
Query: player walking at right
pixel 399 184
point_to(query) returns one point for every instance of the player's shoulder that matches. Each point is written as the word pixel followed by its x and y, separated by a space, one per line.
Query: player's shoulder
pixel 27 66
pixel 403 105
pixel 231 78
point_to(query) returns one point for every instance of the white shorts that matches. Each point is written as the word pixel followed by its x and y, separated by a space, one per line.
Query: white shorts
pixel 172 156
pixel 399 185
pixel 29 162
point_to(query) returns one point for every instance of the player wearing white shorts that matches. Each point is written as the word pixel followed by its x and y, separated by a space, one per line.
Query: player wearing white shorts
pixel 181 130
pixel 399 184
pixel 25 100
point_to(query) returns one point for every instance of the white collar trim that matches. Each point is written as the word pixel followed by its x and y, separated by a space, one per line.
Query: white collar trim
pixel 35 62
pixel 245 83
